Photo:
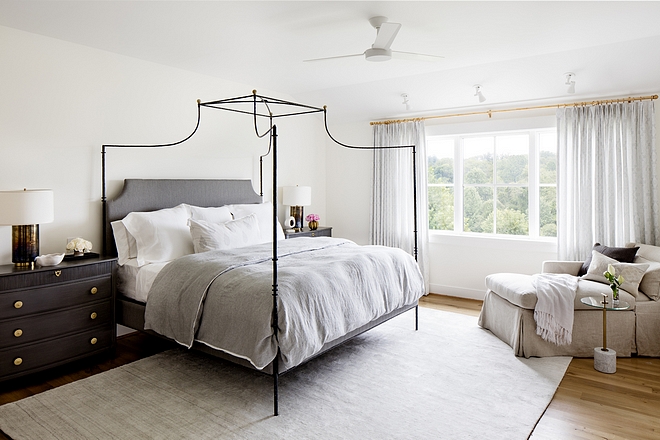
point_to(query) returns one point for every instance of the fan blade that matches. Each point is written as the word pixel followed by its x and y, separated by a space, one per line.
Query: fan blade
pixel 386 34
pixel 334 58
pixel 415 56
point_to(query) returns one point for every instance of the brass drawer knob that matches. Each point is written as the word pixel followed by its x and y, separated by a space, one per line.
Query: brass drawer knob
pixel 93 341
pixel 18 333
pixel 18 361
pixel 18 304
pixel 58 273
pixel 94 290
pixel 93 315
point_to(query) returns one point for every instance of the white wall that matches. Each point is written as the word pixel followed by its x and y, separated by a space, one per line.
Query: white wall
pixel 62 101
pixel 458 264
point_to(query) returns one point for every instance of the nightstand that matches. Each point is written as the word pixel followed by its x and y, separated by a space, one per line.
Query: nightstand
pixel 321 231
pixel 57 314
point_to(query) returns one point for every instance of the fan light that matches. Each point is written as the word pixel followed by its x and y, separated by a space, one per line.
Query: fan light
pixel 375 54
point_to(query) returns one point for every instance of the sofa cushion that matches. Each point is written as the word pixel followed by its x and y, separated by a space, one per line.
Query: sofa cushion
pixel 621 254
pixel 650 284
pixel 519 290
pixel 632 273
pixel 514 287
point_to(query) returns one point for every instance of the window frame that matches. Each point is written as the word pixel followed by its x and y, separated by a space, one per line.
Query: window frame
pixel 533 183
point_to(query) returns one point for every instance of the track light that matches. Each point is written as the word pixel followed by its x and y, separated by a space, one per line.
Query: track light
pixel 477 92
pixel 570 82
pixel 405 101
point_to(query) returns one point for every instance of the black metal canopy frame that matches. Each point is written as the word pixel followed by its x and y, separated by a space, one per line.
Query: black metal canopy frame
pixel 259 106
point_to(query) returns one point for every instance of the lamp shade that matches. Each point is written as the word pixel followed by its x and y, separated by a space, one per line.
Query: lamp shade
pixel 26 207
pixel 297 195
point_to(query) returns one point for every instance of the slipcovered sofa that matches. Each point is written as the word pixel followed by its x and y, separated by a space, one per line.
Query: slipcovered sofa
pixel 508 309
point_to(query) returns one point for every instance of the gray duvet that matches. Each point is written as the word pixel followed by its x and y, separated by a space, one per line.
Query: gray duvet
pixel 327 288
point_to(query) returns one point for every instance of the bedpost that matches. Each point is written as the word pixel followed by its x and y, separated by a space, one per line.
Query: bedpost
pixel 275 288
pixel 104 214
pixel 414 164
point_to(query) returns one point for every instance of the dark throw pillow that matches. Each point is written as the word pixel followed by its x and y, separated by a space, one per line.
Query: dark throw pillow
pixel 620 254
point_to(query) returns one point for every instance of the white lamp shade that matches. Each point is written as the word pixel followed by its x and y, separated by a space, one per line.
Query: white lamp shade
pixel 297 195
pixel 26 207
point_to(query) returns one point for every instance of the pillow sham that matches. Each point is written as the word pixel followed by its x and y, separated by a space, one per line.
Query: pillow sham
pixel 650 284
pixel 207 236
pixel 124 241
pixel 621 254
pixel 632 273
pixel 213 215
pixel 264 213
pixel 161 235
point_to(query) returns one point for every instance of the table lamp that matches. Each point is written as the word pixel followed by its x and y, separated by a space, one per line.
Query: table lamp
pixel 24 210
pixel 297 197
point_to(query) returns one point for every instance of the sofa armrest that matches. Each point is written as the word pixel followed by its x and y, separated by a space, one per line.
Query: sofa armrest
pixel 569 267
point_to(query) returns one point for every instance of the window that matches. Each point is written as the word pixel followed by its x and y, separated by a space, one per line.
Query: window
pixel 503 183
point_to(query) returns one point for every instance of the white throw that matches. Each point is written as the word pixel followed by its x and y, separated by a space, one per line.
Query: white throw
pixel 554 309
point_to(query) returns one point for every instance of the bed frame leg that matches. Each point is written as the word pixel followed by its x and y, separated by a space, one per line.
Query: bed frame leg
pixel 416 317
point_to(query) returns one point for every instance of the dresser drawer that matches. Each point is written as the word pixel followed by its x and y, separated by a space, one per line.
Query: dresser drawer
pixel 25 359
pixel 25 302
pixel 65 272
pixel 46 325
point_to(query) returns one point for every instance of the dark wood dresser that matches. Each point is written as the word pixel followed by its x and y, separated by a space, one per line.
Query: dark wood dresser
pixel 53 315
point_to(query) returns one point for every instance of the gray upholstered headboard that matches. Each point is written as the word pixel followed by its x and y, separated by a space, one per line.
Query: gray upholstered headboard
pixel 141 195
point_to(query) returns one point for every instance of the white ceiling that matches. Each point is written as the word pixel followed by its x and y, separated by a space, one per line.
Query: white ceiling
pixel 518 51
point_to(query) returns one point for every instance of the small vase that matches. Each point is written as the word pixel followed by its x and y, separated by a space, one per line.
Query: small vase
pixel 615 297
pixel 313 225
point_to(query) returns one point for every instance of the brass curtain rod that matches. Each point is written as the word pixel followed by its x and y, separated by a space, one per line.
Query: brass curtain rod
pixel 538 107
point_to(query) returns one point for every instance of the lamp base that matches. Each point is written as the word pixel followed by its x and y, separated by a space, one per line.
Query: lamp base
pixel 297 213
pixel 24 245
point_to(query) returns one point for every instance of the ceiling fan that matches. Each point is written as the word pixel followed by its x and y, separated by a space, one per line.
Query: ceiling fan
pixel 380 50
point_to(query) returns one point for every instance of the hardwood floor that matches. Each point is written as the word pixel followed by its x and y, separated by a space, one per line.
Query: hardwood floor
pixel 587 405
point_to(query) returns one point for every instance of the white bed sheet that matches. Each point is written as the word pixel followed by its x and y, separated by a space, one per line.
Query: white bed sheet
pixel 135 281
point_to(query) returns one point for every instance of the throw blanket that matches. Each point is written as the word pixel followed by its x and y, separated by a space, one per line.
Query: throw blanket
pixel 554 309
pixel 327 288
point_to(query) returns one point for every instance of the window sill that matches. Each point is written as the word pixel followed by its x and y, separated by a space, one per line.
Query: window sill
pixel 494 241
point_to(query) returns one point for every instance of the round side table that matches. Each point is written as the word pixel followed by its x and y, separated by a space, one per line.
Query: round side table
pixel 604 358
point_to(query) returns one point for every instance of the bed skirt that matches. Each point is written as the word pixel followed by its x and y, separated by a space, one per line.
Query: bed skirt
pixel 130 313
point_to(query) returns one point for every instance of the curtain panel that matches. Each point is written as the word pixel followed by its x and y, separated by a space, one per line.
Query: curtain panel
pixel 392 222
pixel 606 181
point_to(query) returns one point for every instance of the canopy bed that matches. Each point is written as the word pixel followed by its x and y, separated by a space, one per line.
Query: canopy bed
pixel 367 285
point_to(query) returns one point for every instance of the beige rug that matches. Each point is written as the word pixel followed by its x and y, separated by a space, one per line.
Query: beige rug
pixel 449 380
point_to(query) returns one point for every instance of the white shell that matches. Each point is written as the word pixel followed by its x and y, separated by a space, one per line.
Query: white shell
pixel 49 259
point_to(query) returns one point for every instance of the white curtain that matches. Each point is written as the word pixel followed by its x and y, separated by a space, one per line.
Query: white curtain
pixel 606 184
pixel 392 202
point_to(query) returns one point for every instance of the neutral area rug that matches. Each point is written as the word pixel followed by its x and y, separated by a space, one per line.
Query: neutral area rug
pixel 449 380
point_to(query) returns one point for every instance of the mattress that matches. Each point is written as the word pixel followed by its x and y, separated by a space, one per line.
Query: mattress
pixel 135 282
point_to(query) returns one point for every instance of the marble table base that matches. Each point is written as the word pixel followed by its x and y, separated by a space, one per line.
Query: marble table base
pixel 605 360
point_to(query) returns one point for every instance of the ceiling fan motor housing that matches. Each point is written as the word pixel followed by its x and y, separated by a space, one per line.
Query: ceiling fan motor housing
pixel 377 54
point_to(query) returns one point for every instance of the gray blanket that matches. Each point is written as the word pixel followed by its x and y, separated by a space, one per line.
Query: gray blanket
pixel 327 288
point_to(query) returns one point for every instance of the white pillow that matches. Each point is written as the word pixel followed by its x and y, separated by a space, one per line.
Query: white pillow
pixel 632 273
pixel 212 215
pixel 264 212
pixel 160 235
pixel 207 236
pixel 125 242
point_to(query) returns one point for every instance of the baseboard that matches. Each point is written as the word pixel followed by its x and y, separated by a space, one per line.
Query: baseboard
pixel 460 292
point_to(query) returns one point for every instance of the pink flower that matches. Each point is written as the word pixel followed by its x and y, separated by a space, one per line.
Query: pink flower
pixel 312 218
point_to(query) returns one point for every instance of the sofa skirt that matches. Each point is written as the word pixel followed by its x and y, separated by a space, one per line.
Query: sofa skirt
pixel 516 326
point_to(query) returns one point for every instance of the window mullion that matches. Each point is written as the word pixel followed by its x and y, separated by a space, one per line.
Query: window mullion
pixel 458 184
